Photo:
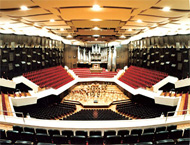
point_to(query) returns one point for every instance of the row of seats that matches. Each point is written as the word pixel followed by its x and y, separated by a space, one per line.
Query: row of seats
pixel 137 77
pixel 159 135
pixel 141 111
pixel 85 73
pixel 54 77
pixel 96 114
pixel 52 111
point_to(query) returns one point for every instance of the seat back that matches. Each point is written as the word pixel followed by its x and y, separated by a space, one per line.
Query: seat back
pixel 28 136
pixel 95 140
pixel 136 131
pixel 113 139
pixel 109 132
pixel 29 129
pixel 81 133
pixel 123 132
pixel 165 141
pixel 40 130
pixel 60 139
pixel 68 133
pixel 53 132
pixel 18 128
pixel 41 137
pixel 94 133
pixel 13 135
pixel 2 134
pixel 133 138
pixel 78 140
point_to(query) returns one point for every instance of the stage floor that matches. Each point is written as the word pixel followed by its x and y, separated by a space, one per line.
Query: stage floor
pixel 105 99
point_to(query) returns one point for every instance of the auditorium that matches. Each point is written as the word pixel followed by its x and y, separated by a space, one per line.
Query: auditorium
pixel 94 72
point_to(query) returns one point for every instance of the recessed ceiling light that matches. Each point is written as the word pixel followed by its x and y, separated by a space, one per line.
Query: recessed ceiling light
pixel 155 25
pixel 69 36
pixel 166 9
pixel 96 35
pixel 96 28
pixel 52 20
pixel 61 29
pixel 96 7
pixel 139 21
pixel 122 36
pixel 129 29
pixel 24 8
pixel 96 20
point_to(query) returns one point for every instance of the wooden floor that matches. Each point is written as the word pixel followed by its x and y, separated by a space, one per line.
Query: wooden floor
pixel 182 103
pixel 112 93
pixel 7 103
pixel 1 105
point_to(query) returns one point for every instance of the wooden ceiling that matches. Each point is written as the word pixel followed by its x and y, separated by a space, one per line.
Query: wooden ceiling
pixel 75 17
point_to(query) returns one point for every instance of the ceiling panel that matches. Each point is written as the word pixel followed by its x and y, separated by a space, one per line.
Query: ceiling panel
pixel 102 24
pixel 159 12
pixel 15 3
pixel 87 13
pixel 175 4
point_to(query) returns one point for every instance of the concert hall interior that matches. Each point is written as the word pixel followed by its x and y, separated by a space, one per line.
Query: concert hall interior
pixel 94 72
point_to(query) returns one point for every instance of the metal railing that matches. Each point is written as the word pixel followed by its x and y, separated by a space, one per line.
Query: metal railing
pixel 174 112
pixel 18 114
pixel 21 115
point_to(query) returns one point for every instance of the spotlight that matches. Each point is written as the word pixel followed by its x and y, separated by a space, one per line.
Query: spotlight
pixel 166 9
pixel 96 7
pixel 24 8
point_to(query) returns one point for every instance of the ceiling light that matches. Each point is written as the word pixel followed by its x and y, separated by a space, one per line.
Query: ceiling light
pixel 129 29
pixel 96 39
pixel 166 9
pixel 96 20
pixel 96 7
pixel 24 8
pixel 96 35
pixel 122 36
pixel 155 25
pixel 139 21
pixel 96 28
pixel 69 36
pixel 61 29
pixel 52 20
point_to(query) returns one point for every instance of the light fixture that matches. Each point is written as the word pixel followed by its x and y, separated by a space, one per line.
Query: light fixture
pixel 139 21
pixel 166 9
pixel 69 36
pixel 24 8
pixel 61 29
pixel 129 29
pixel 96 39
pixel 122 36
pixel 96 35
pixel 52 20
pixel 96 28
pixel 155 25
pixel 96 7
pixel 96 20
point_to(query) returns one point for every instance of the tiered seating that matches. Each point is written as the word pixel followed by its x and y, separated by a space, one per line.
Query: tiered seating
pixel 137 77
pixel 96 114
pixel 85 73
pixel 159 135
pixel 54 77
pixel 140 111
pixel 54 111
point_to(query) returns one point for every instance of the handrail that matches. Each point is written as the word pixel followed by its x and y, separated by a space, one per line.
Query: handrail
pixel 186 110
pixel 3 111
pixel 22 115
